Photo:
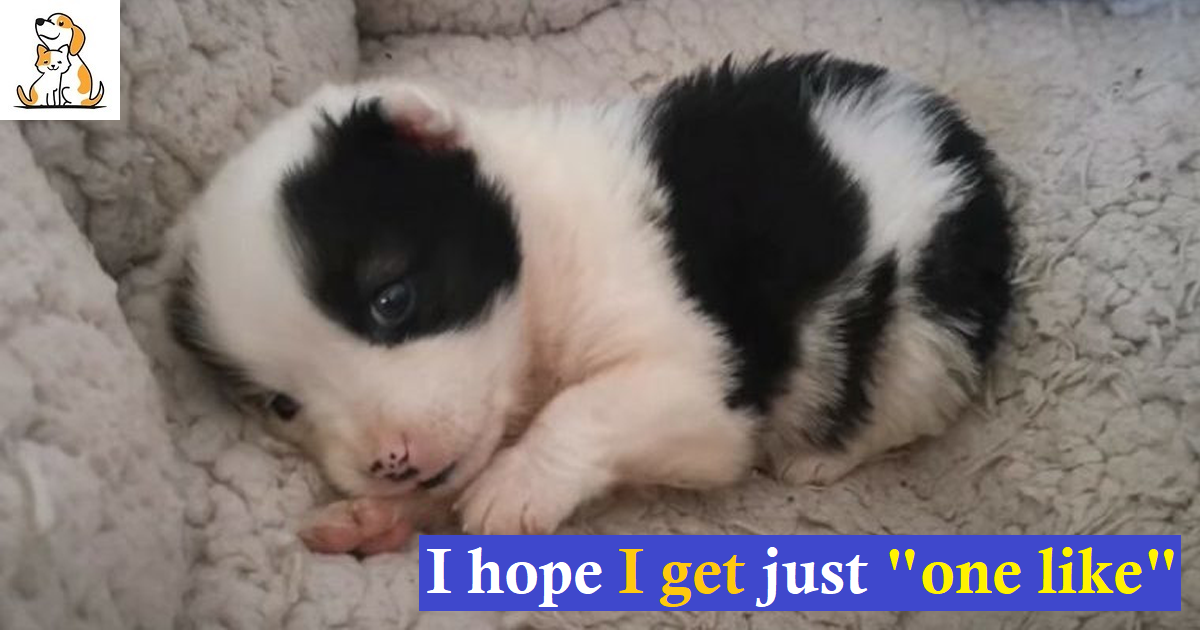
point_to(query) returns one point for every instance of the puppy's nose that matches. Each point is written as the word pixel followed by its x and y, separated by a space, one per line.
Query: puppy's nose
pixel 39 21
pixel 391 463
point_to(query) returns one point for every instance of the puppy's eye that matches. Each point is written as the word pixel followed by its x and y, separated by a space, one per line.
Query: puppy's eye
pixel 283 406
pixel 394 304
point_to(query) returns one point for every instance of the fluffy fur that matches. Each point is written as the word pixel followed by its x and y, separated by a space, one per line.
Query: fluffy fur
pixel 805 254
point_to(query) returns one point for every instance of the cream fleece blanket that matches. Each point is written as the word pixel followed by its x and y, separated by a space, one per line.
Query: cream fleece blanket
pixel 131 501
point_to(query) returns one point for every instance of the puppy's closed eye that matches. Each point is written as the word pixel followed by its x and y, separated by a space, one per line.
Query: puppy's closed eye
pixel 283 406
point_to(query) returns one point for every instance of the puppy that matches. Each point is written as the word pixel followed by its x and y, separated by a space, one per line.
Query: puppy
pixel 59 30
pixel 52 64
pixel 517 309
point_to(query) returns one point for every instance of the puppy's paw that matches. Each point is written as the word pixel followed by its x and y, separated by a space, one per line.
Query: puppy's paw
pixel 519 493
pixel 423 115
pixel 817 468
pixel 365 526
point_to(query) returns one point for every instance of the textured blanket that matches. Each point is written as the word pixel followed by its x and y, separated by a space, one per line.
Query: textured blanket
pixel 131 497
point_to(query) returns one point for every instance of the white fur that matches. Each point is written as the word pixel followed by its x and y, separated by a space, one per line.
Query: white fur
pixel 922 377
pixel 886 142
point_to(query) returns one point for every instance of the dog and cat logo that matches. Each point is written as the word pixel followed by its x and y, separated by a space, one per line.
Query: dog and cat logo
pixel 64 79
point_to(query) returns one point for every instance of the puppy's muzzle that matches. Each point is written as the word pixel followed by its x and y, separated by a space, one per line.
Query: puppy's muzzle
pixel 395 467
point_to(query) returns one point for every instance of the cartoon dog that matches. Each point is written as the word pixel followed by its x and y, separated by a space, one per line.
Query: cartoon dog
pixel 59 30
pixel 53 64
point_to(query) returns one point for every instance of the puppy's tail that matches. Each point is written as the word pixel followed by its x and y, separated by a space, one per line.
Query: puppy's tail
pixel 91 102
pixel 32 100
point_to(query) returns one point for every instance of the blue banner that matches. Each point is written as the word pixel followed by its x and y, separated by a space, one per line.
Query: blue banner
pixel 747 573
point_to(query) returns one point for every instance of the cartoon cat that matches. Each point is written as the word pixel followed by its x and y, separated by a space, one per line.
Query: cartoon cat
pixel 52 63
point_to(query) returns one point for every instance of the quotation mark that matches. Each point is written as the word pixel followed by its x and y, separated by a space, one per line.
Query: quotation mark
pixel 1168 556
pixel 909 555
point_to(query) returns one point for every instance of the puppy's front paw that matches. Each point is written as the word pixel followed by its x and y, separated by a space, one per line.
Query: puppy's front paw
pixel 519 493
pixel 366 526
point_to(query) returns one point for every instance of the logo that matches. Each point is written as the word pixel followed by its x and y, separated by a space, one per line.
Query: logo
pixel 64 77
pixel 65 63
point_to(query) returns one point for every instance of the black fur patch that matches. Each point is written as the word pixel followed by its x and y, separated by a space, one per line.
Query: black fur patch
pixel 860 324
pixel 761 216
pixel 966 270
pixel 373 206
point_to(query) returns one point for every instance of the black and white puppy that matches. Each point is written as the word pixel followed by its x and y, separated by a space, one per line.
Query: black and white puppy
pixel 800 257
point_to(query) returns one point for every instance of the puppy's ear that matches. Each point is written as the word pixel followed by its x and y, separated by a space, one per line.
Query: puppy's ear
pixel 42 50
pixel 422 115
pixel 76 39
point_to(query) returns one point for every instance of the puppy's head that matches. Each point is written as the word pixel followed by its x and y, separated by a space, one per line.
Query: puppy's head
pixel 352 276
pixel 59 30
